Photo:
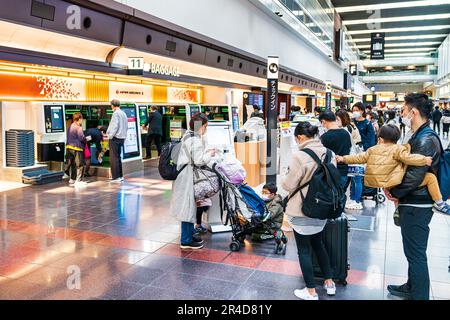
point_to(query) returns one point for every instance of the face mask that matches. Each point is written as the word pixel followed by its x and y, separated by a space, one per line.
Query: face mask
pixel 265 198
pixel 356 115
pixel 407 121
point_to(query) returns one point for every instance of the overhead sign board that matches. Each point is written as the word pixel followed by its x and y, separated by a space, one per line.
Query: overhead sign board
pixel 377 45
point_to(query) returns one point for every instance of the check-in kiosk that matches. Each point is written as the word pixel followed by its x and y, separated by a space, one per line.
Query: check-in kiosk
pixel 56 118
pixel 51 132
pixel 288 145
pixel 223 123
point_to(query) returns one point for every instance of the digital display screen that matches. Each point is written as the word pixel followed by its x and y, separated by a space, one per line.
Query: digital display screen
pixel 235 115
pixel 218 135
pixel 256 98
pixel 131 145
pixel 194 110
pixel 143 114
pixel 54 119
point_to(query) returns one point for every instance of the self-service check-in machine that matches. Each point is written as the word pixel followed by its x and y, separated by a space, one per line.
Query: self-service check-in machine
pixel 288 145
pixel 55 119
pixel 51 132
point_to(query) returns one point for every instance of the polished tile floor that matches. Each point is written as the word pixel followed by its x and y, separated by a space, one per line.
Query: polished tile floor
pixel 122 242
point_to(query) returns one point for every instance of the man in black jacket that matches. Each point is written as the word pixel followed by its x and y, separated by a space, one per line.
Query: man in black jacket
pixel 154 124
pixel 415 203
pixel 436 116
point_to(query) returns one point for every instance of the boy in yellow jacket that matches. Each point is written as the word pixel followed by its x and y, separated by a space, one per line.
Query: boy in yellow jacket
pixel 387 163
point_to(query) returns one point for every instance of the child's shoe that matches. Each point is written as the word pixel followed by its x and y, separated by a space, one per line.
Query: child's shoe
pixel 442 208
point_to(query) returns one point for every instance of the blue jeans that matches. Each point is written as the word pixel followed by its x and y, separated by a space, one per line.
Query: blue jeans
pixel 356 189
pixel 187 232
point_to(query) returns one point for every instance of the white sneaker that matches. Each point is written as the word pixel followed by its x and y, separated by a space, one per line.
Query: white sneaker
pixel 71 181
pixel 80 184
pixel 65 176
pixel 331 289
pixel 122 179
pixel 358 206
pixel 350 204
pixel 118 180
pixel 305 295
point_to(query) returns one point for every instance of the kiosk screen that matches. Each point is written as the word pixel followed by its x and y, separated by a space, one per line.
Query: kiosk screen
pixel 219 136
pixel 235 118
pixel 54 119
pixel 131 144
pixel 143 114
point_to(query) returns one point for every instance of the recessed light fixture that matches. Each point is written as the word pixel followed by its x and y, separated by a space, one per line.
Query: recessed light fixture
pixel 403 29
pixel 389 68
pixel 392 5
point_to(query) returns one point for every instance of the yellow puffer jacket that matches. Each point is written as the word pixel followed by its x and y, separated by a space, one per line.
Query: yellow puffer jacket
pixel 386 164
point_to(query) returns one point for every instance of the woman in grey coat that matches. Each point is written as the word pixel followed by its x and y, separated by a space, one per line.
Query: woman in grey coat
pixel 193 152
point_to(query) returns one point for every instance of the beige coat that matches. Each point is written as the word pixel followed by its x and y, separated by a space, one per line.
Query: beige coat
pixel 301 169
pixel 386 164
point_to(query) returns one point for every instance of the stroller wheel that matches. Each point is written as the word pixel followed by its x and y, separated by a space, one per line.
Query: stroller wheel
pixel 381 198
pixel 235 246
pixel 284 249
pixel 284 239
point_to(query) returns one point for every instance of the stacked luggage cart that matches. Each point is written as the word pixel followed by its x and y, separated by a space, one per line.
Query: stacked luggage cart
pixel 19 148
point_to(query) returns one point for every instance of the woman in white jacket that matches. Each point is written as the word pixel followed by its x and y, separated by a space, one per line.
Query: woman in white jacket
pixel 192 152
pixel 307 231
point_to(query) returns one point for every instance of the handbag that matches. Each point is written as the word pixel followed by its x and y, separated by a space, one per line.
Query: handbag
pixel 206 183
pixel 87 152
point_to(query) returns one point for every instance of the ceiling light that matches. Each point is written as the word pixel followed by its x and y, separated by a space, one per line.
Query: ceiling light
pixel 389 68
pixel 415 37
pixel 404 29
pixel 411 54
pixel 399 44
pixel 406 50
pixel 298 12
pixel 381 6
pixel 398 19
pixel 411 67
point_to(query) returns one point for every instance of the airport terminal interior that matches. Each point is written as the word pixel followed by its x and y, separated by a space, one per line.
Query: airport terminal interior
pixel 168 150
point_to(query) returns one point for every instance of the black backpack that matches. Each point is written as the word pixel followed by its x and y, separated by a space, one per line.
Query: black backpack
pixel 325 198
pixel 167 166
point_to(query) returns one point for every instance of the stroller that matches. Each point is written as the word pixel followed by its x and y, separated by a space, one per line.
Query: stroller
pixel 375 194
pixel 247 213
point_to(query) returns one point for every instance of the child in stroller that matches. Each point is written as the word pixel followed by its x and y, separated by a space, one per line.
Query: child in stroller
pixel 275 220
pixel 247 213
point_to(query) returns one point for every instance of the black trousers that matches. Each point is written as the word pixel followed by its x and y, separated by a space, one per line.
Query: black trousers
pixel 157 139
pixel 415 231
pixel 306 245
pixel 446 127
pixel 115 149
pixel 74 164
pixel 200 211
pixel 438 124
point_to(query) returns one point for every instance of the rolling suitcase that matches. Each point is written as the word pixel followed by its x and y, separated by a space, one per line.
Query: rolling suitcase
pixel 335 238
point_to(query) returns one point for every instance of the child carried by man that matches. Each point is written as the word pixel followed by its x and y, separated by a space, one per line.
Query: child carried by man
pixel 387 163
